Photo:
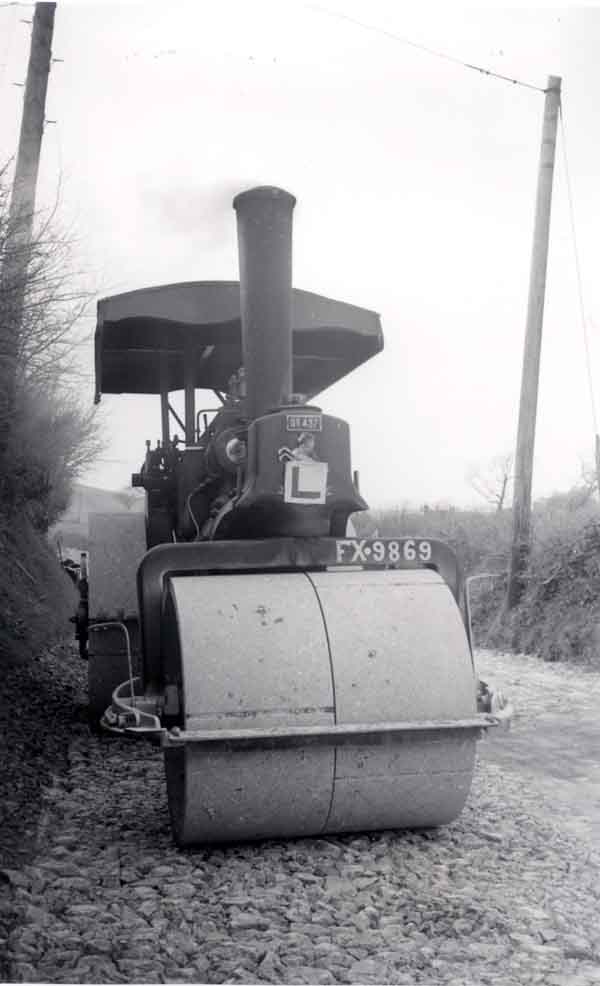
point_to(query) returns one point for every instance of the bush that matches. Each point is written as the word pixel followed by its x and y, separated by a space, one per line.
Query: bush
pixel 558 617
pixel 45 436
pixel 479 538
pixel 36 596
pixel 50 440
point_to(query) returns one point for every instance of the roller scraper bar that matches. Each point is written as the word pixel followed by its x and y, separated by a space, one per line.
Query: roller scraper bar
pixel 346 735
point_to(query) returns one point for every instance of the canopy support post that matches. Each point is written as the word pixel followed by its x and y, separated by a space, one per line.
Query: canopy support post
pixel 164 398
pixel 190 393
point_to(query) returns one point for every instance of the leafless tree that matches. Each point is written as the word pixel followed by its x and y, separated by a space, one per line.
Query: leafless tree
pixel 41 299
pixel 492 479
pixel 590 474
pixel 45 436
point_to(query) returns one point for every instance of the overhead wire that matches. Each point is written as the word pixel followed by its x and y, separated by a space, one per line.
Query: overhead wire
pixel 586 341
pixel 391 35
pixel 376 29
pixel 54 126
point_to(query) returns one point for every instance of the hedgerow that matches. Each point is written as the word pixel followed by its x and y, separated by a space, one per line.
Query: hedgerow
pixel 558 617
pixel 46 437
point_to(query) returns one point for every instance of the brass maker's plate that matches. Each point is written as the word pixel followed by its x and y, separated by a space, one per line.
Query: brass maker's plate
pixel 303 422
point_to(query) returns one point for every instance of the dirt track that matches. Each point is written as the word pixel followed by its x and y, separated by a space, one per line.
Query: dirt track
pixel 554 740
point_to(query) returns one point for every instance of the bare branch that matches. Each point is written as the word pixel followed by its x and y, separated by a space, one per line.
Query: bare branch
pixel 46 438
pixel 491 480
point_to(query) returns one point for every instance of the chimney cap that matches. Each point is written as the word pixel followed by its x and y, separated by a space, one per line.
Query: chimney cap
pixel 269 192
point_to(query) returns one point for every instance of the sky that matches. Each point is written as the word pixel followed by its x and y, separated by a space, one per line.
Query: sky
pixel 415 180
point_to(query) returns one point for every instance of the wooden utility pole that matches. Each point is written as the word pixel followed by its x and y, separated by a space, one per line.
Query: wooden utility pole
pixel 521 539
pixel 22 206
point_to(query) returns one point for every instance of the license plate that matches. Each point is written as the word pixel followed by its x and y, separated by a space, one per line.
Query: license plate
pixel 384 551
pixel 303 422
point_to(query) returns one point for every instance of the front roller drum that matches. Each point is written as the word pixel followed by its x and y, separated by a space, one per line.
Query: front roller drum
pixel 288 685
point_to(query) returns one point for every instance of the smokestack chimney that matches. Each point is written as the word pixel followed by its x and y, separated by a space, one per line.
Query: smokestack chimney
pixel 264 222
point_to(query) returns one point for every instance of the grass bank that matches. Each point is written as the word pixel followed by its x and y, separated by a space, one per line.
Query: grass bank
pixel 36 596
pixel 559 615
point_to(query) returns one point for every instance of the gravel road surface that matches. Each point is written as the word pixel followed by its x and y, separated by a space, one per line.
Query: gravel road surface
pixel 93 889
pixel 554 741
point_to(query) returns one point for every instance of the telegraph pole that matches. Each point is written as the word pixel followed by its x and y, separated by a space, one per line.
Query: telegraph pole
pixel 521 539
pixel 22 207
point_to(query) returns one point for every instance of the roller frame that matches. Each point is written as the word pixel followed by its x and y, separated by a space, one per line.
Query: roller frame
pixel 215 749
pixel 140 717
pixel 272 554
pixel 224 557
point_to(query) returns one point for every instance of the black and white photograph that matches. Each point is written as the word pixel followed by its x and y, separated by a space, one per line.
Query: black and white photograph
pixel 299 493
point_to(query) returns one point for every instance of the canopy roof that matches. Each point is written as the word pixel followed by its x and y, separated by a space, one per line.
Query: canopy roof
pixel 200 320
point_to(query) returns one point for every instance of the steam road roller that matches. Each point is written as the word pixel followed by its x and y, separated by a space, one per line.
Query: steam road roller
pixel 299 679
